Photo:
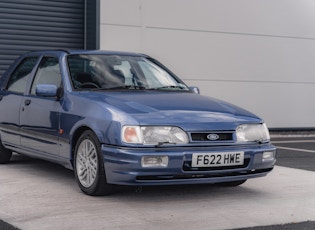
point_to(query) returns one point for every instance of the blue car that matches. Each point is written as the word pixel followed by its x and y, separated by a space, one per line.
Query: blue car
pixel 124 119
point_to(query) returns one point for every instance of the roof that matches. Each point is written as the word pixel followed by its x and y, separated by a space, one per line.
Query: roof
pixel 66 51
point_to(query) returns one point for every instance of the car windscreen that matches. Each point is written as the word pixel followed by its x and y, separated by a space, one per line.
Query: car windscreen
pixel 114 72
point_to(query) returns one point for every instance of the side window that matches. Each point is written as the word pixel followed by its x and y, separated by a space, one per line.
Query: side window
pixel 18 79
pixel 48 73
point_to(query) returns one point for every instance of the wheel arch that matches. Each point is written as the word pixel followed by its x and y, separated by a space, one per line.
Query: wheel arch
pixel 106 133
pixel 75 137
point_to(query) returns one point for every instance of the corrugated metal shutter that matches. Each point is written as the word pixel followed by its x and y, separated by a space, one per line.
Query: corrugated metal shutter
pixel 27 25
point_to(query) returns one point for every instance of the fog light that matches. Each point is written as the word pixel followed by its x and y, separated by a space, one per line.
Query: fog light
pixel 154 161
pixel 268 155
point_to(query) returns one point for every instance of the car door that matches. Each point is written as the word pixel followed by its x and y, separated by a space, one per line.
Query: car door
pixel 39 119
pixel 10 101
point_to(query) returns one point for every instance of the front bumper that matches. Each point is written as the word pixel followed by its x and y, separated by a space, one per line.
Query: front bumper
pixel 123 165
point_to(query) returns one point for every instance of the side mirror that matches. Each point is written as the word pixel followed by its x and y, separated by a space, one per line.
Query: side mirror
pixel 46 90
pixel 194 89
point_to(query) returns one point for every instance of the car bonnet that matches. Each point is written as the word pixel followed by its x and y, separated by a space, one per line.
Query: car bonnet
pixel 187 110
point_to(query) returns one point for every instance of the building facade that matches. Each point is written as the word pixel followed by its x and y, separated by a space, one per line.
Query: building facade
pixel 258 54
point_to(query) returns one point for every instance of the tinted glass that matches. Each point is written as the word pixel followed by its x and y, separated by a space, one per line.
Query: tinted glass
pixel 18 79
pixel 48 73
pixel 120 72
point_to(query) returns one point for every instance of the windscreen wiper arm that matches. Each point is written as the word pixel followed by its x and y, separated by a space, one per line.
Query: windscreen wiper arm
pixel 120 87
pixel 167 87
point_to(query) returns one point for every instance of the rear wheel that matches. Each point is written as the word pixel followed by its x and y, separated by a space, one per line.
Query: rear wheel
pixel 89 166
pixel 5 154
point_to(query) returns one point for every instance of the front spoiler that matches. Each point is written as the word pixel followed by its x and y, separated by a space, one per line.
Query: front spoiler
pixel 123 165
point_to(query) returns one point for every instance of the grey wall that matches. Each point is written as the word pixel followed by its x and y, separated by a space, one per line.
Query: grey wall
pixel 258 54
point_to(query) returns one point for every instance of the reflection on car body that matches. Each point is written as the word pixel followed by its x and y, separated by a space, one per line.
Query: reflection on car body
pixel 124 118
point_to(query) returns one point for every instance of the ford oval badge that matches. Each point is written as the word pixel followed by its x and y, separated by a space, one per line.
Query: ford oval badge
pixel 213 137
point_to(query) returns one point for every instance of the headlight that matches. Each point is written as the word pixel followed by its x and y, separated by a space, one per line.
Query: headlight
pixel 153 135
pixel 252 132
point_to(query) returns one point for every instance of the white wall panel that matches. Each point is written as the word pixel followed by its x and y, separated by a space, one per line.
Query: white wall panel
pixel 259 54
pixel 120 38
pixel 232 57
pixel 121 12
pixel 266 17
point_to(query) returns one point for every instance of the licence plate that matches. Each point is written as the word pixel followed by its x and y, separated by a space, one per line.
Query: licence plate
pixel 217 159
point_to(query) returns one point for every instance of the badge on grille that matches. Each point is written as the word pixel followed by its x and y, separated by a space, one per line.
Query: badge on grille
pixel 213 137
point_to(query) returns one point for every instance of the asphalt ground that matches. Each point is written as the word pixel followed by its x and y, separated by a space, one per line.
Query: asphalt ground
pixel 294 152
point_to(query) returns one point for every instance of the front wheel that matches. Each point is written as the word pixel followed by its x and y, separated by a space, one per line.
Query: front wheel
pixel 89 166
pixel 5 154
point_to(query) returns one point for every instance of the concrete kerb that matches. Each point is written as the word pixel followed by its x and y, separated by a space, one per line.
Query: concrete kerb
pixel 292 133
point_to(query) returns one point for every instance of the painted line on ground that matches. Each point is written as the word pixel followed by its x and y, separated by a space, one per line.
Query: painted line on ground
pixel 295 149
pixel 293 141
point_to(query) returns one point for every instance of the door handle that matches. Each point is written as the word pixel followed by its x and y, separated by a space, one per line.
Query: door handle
pixel 27 102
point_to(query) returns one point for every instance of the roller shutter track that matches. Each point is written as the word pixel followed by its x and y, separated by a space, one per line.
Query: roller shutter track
pixel 28 25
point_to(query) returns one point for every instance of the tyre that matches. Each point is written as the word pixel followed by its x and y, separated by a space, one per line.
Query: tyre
pixel 5 154
pixel 89 166
pixel 232 183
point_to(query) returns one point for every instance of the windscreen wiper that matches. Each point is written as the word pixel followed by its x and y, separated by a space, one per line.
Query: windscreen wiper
pixel 121 87
pixel 167 87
